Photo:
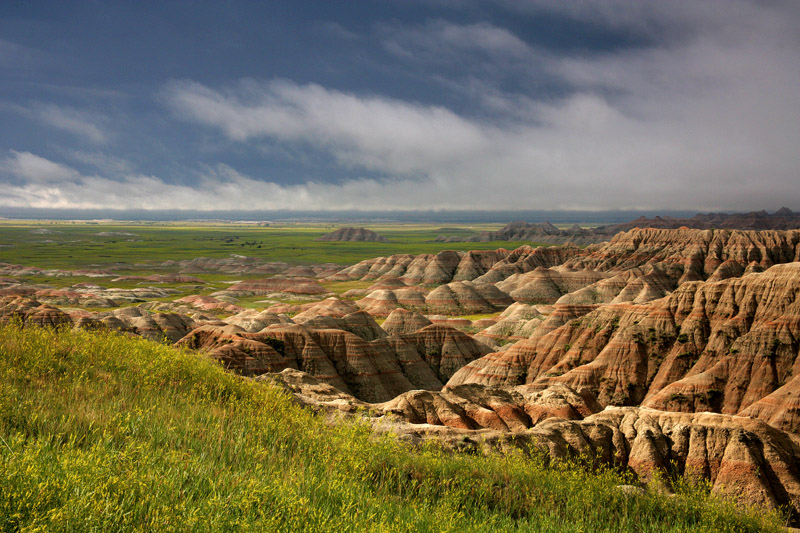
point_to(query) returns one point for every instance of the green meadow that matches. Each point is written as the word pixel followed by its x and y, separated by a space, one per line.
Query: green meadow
pixel 103 432
pixel 78 245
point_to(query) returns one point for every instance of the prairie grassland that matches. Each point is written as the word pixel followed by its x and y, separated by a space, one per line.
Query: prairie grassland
pixel 102 432
pixel 78 245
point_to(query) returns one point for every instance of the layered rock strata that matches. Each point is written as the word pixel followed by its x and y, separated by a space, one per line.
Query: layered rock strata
pixel 372 370
pixel 708 346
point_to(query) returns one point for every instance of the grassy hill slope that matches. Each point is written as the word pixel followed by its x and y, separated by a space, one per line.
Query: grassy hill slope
pixel 105 432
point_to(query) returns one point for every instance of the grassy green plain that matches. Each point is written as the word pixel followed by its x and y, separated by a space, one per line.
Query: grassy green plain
pixel 77 245
pixel 112 433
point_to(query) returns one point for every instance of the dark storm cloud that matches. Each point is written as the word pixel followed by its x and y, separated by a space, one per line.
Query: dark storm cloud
pixel 701 113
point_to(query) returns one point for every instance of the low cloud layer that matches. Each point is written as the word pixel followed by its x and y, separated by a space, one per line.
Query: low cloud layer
pixel 705 117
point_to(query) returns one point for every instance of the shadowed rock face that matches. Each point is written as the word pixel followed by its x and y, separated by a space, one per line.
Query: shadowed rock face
pixel 353 235
pixel 709 346
pixel 781 408
pixel 371 370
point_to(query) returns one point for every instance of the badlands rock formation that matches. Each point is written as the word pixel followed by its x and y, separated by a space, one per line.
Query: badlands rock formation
pixel 517 322
pixel 426 269
pixel 546 233
pixel 376 369
pixel 401 321
pixel 353 235
pixel 32 312
pixel 253 320
pixel 277 284
pixel 456 298
pixel 708 346
pixel 682 255
pixel 168 327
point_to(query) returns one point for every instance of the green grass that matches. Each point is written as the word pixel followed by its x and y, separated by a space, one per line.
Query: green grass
pixel 341 287
pixel 76 245
pixel 111 433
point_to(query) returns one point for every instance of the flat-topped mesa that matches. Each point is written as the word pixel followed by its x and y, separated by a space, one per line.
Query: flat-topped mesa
pixel 353 235
pixel 708 346
pixel 375 367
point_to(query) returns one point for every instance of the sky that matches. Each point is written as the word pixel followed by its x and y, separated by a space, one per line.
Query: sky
pixel 400 105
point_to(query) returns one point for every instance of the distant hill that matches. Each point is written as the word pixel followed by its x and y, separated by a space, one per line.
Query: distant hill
pixel 783 218
pixel 545 232
pixel 353 235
